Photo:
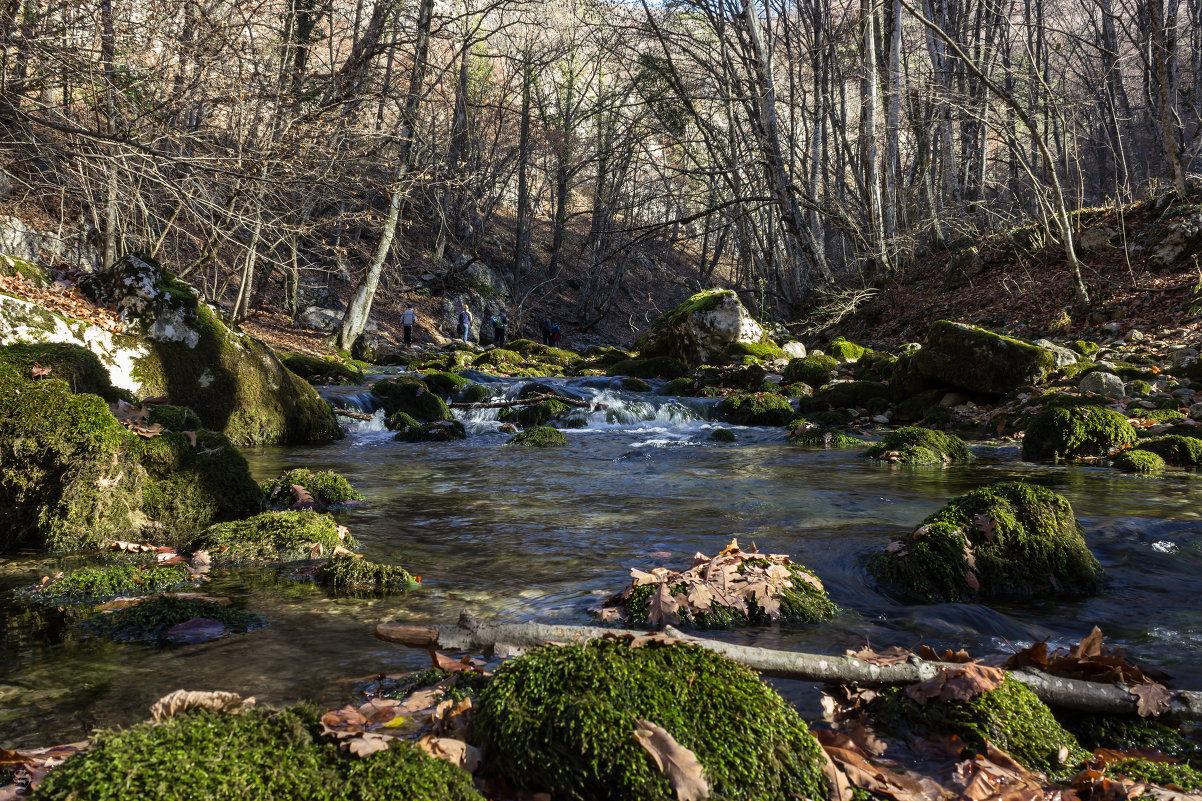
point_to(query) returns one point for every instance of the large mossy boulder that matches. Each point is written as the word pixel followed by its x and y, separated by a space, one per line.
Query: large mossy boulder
pixel 756 409
pixel 1175 449
pixel 814 370
pixel 438 431
pixel 914 445
pixel 852 394
pixel 559 720
pixel 412 397
pixel 261 754
pixel 534 414
pixel 1081 431
pixel 666 367
pixel 701 330
pixel 978 360
pixel 234 382
pixel 1009 541
pixel 72 477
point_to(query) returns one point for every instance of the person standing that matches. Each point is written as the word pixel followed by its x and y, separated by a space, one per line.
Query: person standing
pixel 465 322
pixel 500 324
pixel 408 319
pixel 556 335
pixel 545 329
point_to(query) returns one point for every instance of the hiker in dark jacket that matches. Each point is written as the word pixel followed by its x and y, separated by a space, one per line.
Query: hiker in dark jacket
pixel 499 325
pixel 545 330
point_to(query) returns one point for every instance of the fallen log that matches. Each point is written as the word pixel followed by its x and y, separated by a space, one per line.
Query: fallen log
pixel 511 639
pixel 525 402
pixel 353 415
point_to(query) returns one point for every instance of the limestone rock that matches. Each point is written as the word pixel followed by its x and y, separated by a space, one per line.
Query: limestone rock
pixel 1175 241
pixel 701 329
pixel 1102 383
pixel 796 350
pixel 1064 356
pixel 978 360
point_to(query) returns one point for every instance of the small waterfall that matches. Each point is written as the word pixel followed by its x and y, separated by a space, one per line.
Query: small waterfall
pixel 373 426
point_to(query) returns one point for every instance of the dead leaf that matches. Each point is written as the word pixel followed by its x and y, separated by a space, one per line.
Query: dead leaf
pixel 367 744
pixel 457 752
pixel 1091 645
pixel 679 764
pixel 893 655
pixel 453 665
pixel 38 371
pixel 662 607
pixel 183 700
pixel 958 683
pixel 642 577
pixel 654 638
pixel 1151 699
pixel 304 500
pixel 608 614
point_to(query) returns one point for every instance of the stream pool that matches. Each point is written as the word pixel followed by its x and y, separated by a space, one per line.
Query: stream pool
pixel 520 534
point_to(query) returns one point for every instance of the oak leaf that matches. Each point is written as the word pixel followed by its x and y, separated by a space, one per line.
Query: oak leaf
pixel 662 607
pixel 677 763
pixel 183 700
pixel 457 752
pixel 1151 699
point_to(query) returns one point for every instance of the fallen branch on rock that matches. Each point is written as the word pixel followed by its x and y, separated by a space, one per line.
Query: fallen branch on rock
pixel 515 638
pixel 352 414
pixel 502 404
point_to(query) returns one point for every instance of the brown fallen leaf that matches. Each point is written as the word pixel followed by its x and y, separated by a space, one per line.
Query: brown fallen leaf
pixel 655 638
pixel 457 752
pixel 38 371
pixel 679 764
pixel 1151 699
pixel 183 700
pixel 367 744
pixel 662 607
pixel 608 614
pixel 453 665
pixel 893 655
pixel 304 500
pixel 958 683
pixel 1089 646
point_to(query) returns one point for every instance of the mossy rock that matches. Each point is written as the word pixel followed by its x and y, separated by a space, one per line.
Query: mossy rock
pixel 534 414
pixel 272 536
pixel 1025 541
pixel 153 619
pixel 801 603
pixel 915 407
pixel 844 351
pixel 559 720
pixel 1122 733
pixel 1010 717
pixel 1175 449
pixel 874 366
pixel 605 355
pixel 498 358
pixel 262 754
pixel 828 438
pixel 72 477
pixel 982 361
pixel 723 435
pixel 440 431
pixel 1083 431
pixel 814 370
pixel 635 385
pixel 1139 387
pixel 1158 416
pixel 445 384
pixel 173 418
pixel 1137 460
pixel 16 267
pixel 399 421
pixel 94 584
pixel 411 396
pixel 77 366
pixel 764 351
pixel 539 437
pixel 677 387
pixel 756 409
pixel 920 446
pixel 327 488
pixel 349 574
pixel 475 393
pixel 322 370
pixel 701 330
pixel 853 394
pixel 1085 347
pixel 656 367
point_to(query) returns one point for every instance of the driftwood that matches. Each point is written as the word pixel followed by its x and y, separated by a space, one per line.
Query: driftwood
pixel 512 639
pixel 525 402
pixel 352 415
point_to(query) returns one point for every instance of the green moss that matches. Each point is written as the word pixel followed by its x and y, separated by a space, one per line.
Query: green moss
pixel 1156 415
pixel 1159 772
pixel 262 754
pixel 498 357
pixel 411 396
pixel 844 351
pixel 349 574
pixel 655 367
pixel 1085 348
pixel 827 438
pixel 326 487
pixel 279 536
pixel 1025 543
pixel 537 414
pixel 1130 733
pixel 635 385
pixel 400 421
pixel 33 272
pixel 671 336
pixel 440 431
pixel 1175 449
pixel 475 393
pixel 1136 460
pixel 1010 717
pixel 723 435
pixel 559 720
pixel 979 360
pixel 921 446
pixel 756 409
pixel 444 384
pixel 77 366
pixel 321 370
pixel 603 356
pixel 174 418
pixel 1139 387
pixel 765 351
pixel 153 618
pixel 853 394
pixel 1057 433
pixel 539 437
pixel 814 370
pixel 90 584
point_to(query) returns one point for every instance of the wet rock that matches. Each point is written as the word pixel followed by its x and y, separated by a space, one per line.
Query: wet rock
pixel 700 330
pixel 756 409
pixel 1082 431
pixel 412 397
pixel 1137 460
pixel 978 360
pixel 438 431
pixel 1176 449
pixel 814 370
pixel 539 437
pixel 665 367
pixel 919 446
pixel 1103 383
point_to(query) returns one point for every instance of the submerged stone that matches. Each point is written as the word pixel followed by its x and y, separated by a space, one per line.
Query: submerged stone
pixel 438 431
pixel 1006 541
pixel 914 445
pixel 700 330
pixel 559 719
pixel 350 574
pixel 756 409
pixel 539 437
pixel 155 618
pixel 1067 433
pixel 723 435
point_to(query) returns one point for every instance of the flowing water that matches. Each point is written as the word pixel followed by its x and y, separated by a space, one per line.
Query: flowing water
pixel 519 534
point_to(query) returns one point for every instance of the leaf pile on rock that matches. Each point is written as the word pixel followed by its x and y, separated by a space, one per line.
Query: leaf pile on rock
pixel 736 586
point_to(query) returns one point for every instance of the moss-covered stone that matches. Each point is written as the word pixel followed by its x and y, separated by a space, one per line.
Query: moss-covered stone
pixel 399 421
pixel 535 414
pixel 322 370
pixel 829 438
pixel 1159 416
pixel 327 488
pixel 1010 717
pixel 1085 347
pixel 411 396
pixel 444 384
pixel 349 574
pixel 1068 433
pixel 814 370
pixel 1006 541
pixel 701 330
pixel 475 393
pixel 853 394
pixel 77 366
pixel 498 358
pixel 16 267
pixel 1175 449
pixel 844 351
pixel 539 437
pixel 1121 733
pixel 981 361
pixel 756 409
pixel 1139 387
pixel 153 618
pixel 677 387
pixel 439 431
pixel 173 418
pixel 723 435
pixel 92 584
pixel 603 356
pixel 916 445
pixel 635 385
pixel 767 351
pixel 1137 460
pixel 655 367
pixel 262 754
pixel 559 720
pixel 271 536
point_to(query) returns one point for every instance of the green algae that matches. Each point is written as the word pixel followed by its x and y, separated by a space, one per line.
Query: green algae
pixel 849 394
pixel 92 584
pixel 844 351
pixel 559 720
pixel 77 366
pixel 444 384
pixel 635 385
